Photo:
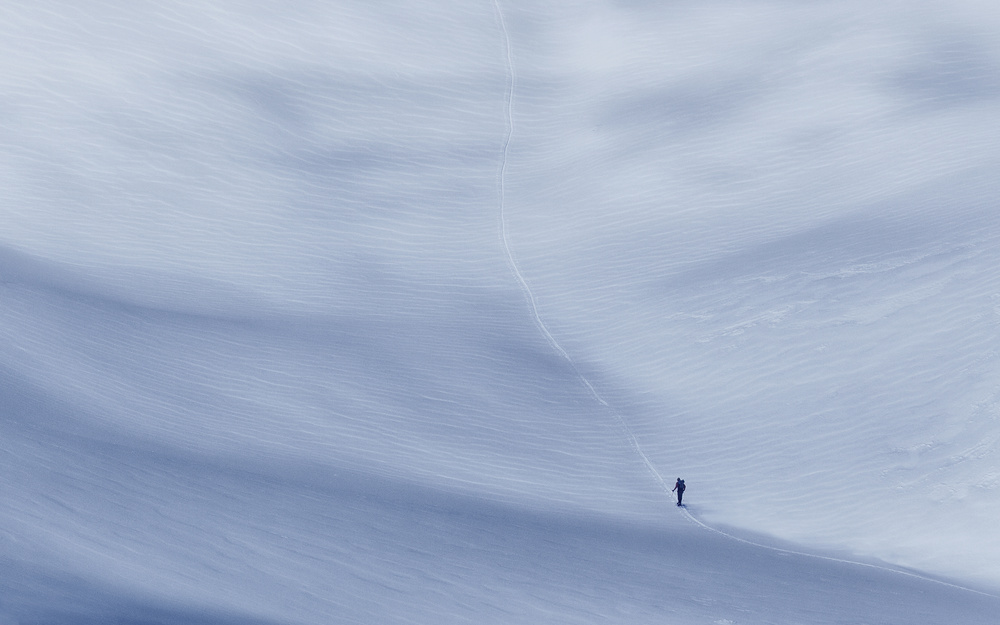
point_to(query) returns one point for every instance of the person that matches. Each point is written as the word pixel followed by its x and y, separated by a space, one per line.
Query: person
pixel 679 488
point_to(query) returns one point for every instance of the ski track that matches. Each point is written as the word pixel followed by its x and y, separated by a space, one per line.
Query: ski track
pixel 805 554
pixel 529 295
pixel 627 431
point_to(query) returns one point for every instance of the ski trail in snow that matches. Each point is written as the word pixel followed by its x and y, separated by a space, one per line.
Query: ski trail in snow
pixel 699 522
pixel 627 431
pixel 512 263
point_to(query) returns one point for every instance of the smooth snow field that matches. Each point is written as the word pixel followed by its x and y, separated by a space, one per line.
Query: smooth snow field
pixel 412 312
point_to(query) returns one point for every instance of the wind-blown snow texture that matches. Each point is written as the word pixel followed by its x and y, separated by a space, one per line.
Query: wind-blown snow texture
pixel 406 312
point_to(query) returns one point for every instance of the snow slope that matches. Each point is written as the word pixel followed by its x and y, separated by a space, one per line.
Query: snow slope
pixel 399 312
pixel 786 267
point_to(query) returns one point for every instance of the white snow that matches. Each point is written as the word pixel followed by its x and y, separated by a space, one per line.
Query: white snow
pixel 408 312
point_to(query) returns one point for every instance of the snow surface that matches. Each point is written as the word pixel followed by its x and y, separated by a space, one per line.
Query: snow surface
pixel 408 312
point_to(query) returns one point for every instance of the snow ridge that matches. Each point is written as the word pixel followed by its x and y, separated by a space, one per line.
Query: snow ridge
pixel 512 263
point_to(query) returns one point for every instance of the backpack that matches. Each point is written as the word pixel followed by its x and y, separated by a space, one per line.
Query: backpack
pixel 680 485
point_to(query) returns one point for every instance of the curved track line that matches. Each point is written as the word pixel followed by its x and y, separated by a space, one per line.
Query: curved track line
pixel 512 263
pixel 925 578
pixel 501 182
pixel 626 430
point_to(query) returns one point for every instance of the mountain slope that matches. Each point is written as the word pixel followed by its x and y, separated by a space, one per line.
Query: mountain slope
pixel 402 313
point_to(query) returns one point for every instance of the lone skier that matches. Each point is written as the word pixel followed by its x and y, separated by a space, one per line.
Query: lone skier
pixel 679 488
